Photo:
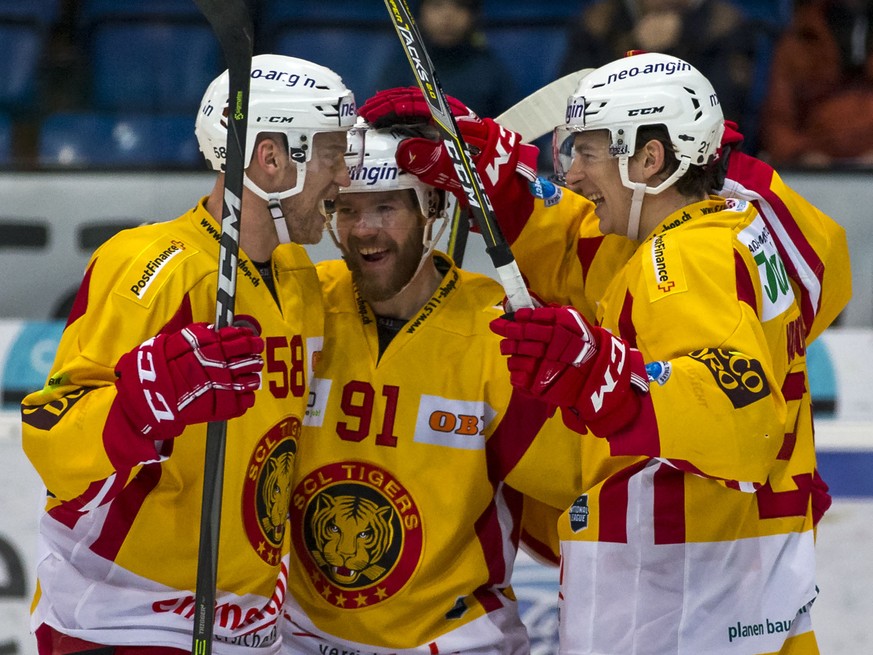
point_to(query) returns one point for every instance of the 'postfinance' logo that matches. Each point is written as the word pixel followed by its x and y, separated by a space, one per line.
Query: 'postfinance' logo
pixel 669 274
pixel 153 267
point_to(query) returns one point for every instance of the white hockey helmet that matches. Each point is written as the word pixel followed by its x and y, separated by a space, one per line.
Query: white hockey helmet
pixel 641 90
pixel 288 95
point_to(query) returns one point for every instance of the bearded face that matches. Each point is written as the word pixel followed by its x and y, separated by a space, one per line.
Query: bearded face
pixel 381 235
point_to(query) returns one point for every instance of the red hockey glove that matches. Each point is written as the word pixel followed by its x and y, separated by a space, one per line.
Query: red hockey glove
pixel 404 105
pixel 556 355
pixel 191 376
pixel 505 164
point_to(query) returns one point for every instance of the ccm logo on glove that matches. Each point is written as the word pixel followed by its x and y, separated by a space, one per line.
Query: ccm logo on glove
pixel 557 356
pixel 192 376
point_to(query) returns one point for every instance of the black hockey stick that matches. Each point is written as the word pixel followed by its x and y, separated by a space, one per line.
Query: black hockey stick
pixel 233 27
pixel 517 295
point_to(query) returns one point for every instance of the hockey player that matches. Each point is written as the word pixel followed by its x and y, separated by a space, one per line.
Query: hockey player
pixel 406 504
pixel 118 432
pixel 697 367
pixel 568 259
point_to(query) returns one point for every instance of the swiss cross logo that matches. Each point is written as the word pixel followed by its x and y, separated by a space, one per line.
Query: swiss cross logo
pixel 666 286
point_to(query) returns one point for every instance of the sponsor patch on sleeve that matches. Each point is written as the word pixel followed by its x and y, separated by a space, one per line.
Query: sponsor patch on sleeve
pixel 578 514
pixel 152 268
pixel 668 273
pixel 777 293
pixel 546 191
pixel 659 371
pixel 740 377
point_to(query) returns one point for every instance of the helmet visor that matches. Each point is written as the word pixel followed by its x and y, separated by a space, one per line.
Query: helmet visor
pixel 563 138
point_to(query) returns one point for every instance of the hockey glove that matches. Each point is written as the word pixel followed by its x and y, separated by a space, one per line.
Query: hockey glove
pixel 191 376
pixel 405 105
pixel 556 355
pixel 505 164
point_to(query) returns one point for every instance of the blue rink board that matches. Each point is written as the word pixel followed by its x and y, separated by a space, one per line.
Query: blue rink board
pixel 848 473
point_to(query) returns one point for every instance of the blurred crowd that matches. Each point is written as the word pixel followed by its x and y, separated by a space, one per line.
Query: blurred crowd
pixel 105 83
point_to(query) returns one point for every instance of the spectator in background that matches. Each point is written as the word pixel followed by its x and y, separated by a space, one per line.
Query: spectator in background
pixel 819 107
pixel 467 67
pixel 713 35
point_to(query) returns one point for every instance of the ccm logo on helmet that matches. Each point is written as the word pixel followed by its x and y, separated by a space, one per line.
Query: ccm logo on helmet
pixel 645 111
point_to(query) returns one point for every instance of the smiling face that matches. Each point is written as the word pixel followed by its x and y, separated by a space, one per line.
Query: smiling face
pixel 594 174
pixel 381 236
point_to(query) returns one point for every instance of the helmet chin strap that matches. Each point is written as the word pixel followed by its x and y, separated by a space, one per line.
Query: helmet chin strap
pixel 274 200
pixel 428 245
pixel 636 208
pixel 641 189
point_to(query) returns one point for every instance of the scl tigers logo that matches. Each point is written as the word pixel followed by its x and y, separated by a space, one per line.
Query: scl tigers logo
pixel 276 495
pixel 267 489
pixel 357 531
pixel 350 535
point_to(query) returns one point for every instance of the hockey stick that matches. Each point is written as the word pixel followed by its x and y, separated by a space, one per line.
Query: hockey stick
pixel 532 117
pixel 541 111
pixel 233 27
pixel 517 295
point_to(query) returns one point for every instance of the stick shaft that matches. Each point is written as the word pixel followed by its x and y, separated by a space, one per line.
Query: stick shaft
pixel 480 206
pixel 233 27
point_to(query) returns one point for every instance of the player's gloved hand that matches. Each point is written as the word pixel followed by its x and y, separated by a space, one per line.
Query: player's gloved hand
pixel 191 376
pixel 405 105
pixel 536 301
pixel 556 355
pixel 505 164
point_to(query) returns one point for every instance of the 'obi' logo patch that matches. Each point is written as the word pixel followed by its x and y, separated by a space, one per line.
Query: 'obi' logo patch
pixel 452 423
pixel 357 531
pixel 267 489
